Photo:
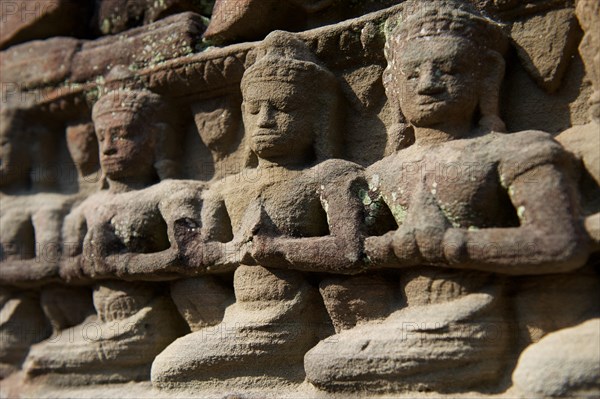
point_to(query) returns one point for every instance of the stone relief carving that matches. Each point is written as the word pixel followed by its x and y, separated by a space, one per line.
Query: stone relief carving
pixel 354 209
pixel 121 231
pixel 289 193
pixel 446 222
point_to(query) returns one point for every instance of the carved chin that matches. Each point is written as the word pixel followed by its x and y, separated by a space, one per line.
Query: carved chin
pixel 264 147
pixel 115 169
pixel 428 114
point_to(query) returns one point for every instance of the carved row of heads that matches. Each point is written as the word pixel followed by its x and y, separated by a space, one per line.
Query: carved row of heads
pixel 291 101
pixel 445 65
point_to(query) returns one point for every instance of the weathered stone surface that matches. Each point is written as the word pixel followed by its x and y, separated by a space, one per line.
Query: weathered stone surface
pixel 356 300
pixel 38 63
pixel 564 363
pixel 30 20
pixel 239 20
pixel 63 314
pixel 131 328
pixel 274 321
pixel 369 207
pixel 173 37
pixel 201 301
pixel 22 323
pixel 421 348
pixel 545 44
pixel 115 16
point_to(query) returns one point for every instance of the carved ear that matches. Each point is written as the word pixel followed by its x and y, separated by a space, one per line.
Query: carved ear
pixel 489 95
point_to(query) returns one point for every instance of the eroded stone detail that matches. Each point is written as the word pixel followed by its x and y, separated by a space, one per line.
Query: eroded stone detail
pixel 351 209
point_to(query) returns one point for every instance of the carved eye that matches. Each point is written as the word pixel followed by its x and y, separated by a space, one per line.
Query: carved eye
pixel 117 133
pixel 288 106
pixel 253 108
pixel 411 73
pixel 447 70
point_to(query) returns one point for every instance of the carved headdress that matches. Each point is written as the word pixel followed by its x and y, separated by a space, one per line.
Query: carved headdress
pixel 141 103
pixel 151 109
pixel 447 18
pixel 282 57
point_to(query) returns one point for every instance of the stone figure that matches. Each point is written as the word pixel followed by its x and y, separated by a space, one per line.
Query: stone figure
pixel 31 223
pixel 46 210
pixel 31 220
pixel 66 306
pixel 83 148
pixel 567 362
pixel 123 231
pixel 219 125
pixel 22 320
pixel 290 116
pixel 469 202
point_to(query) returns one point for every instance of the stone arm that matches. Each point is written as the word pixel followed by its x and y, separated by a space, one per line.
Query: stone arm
pixel 43 268
pixel 339 252
pixel 74 230
pixel 211 246
pixel 550 238
pixel 168 264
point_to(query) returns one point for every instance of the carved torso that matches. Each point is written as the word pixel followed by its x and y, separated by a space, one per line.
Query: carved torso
pixel 462 178
pixel 136 216
pixel 461 183
pixel 27 222
pixel 290 198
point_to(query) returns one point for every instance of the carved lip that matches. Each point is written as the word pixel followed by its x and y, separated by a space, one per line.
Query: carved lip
pixel 430 100
pixel 266 133
pixel 112 160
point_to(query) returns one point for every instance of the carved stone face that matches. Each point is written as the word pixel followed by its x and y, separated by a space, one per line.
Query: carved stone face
pixel 278 119
pixel 126 145
pixel 82 145
pixel 438 80
pixel 217 122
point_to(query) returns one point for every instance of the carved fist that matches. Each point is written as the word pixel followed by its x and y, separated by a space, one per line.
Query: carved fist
pixel 405 246
pixel 263 250
pixel 430 243
pixel 187 239
pixel 71 269
pixel 99 243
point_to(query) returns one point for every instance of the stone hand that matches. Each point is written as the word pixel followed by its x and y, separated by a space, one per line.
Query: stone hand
pixel 72 269
pixel 261 231
pixel 264 249
pixel 430 243
pixel 99 245
pixel 404 244
pixel 188 242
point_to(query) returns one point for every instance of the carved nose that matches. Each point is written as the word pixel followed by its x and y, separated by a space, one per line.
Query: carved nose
pixel 265 117
pixel 109 149
pixel 429 83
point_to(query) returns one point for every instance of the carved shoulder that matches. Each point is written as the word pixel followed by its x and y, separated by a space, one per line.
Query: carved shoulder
pixel 336 170
pixel 526 150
